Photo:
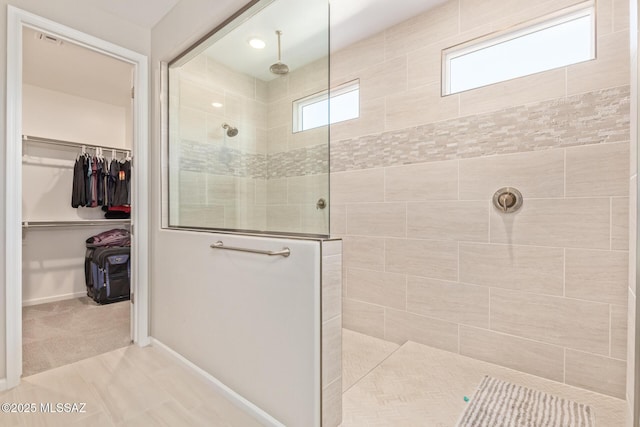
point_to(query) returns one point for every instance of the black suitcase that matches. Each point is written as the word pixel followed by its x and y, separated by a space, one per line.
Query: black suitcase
pixel 108 273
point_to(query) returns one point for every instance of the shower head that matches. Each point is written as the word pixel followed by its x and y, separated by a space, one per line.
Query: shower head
pixel 279 67
pixel 231 131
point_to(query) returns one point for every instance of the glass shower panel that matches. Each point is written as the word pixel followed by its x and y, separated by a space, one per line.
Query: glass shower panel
pixel 235 162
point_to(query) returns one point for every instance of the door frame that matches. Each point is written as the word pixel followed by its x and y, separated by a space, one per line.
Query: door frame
pixel 16 20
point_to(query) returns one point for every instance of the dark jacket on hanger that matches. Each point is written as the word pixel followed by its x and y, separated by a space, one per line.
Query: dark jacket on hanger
pixel 78 195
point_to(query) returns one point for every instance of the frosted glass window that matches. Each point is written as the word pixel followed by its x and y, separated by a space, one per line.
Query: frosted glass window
pixel 552 43
pixel 316 110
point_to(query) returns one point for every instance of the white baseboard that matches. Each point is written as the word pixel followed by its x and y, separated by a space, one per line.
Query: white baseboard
pixel 3 384
pixel 36 301
pixel 234 397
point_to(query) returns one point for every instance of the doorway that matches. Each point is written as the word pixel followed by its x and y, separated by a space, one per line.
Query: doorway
pixel 54 145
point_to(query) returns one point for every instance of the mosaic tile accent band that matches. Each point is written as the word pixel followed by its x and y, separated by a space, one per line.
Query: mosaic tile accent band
pixel 312 160
pixel 590 118
pixel 200 157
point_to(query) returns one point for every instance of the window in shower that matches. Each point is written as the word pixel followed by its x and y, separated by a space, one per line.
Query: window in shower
pixel 233 162
pixel 562 39
pixel 327 107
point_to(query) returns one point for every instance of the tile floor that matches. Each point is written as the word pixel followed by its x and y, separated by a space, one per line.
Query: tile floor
pixel 130 386
pixel 385 385
pixel 415 385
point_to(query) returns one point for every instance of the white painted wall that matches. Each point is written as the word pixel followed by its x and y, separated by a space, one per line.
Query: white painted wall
pixel 53 259
pixel 83 17
pixel 57 115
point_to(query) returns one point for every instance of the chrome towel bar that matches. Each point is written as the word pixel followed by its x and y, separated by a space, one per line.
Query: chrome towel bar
pixel 285 252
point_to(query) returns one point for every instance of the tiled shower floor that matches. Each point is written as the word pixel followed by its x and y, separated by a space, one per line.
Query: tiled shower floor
pixel 415 385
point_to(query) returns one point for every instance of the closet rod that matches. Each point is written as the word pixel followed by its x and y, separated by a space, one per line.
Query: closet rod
pixel 86 223
pixel 71 143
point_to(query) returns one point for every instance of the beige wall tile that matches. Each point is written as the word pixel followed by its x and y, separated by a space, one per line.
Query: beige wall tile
pixel 284 218
pixel 245 217
pixel 277 139
pixel 377 219
pixel 620 223
pixel 582 325
pixel 362 317
pixel 633 227
pixel 229 190
pixel 604 17
pixel 332 405
pixel 376 287
pixel 450 301
pixel 423 181
pixel 620 15
pixel 260 191
pixel 524 355
pixel 523 90
pixel 597 373
pixel 477 12
pixel 419 106
pixel 314 220
pixel 332 247
pixel 308 189
pixel 199 96
pixel 279 113
pixel 631 345
pixel 309 79
pixel 561 222
pixel 384 79
pixel 331 350
pixel 371 121
pixel 599 276
pixel 277 191
pixel 262 91
pixel 338 216
pixel 426 258
pixel 401 326
pixel 535 174
pixel 619 331
pixel 435 24
pixel 310 138
pixel 331 285
pixel 424 66
pixel 360 55
pixel 202 216
pixel 454 220
pixel 364 252
pixel 230 80
pixel 598 170
pixel 358 186
pixel 193 125
pixel 610 69
pixel 278 88
pixel 526 268
pixel 193 187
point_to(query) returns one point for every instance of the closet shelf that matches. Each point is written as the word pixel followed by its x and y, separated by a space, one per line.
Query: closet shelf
pixel 83 223
pixel 28 138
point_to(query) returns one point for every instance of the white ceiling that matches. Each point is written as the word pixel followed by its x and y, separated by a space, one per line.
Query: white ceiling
pixel 144 13
pixel 82 72
pixel 75 70
pixel 305 32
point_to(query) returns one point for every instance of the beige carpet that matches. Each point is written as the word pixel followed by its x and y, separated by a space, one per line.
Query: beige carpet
pixel 63 332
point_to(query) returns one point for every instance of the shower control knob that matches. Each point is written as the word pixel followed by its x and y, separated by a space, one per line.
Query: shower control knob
pixel 321 204
pixel 507 199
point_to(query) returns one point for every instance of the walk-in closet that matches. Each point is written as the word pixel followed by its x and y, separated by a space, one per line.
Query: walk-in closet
pixel 76 175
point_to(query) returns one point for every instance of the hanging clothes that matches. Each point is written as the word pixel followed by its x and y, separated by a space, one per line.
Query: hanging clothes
pixel 98 182
pixel 78 194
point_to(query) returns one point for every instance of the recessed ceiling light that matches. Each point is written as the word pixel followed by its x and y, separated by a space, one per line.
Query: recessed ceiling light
pixel 216 104
pixel 256 43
